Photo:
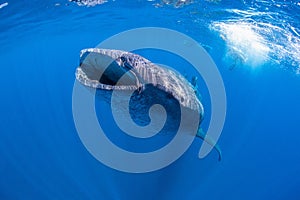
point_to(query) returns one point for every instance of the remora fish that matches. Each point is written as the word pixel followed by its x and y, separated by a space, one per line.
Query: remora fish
pixel 103 68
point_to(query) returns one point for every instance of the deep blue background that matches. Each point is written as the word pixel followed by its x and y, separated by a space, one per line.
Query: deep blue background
pixel 42 157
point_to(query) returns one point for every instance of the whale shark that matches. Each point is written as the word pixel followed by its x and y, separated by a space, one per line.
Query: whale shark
pixel 108 70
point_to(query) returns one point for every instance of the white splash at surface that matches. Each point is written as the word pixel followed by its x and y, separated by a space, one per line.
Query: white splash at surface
pixel 3 5
pixel 89 3
pixel 254 38
pixel 243 42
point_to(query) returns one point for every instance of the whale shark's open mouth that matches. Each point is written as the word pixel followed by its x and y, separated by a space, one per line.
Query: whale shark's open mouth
pixel 106 71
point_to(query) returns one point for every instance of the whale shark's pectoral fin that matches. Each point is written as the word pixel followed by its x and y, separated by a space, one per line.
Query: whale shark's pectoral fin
pixel 201 134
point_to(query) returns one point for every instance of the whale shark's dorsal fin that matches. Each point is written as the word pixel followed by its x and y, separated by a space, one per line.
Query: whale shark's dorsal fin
pixel 194 83
pixel 201 134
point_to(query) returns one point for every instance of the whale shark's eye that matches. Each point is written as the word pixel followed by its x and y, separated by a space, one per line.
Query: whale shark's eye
pixel 125 63
pixel 123 59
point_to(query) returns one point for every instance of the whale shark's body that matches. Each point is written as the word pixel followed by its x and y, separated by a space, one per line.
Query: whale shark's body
pixel 103 69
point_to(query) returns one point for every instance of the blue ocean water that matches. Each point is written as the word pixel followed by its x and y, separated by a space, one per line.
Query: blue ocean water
pixel 256 46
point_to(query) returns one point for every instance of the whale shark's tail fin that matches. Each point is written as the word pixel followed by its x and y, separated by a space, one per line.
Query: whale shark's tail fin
pixel 201 134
